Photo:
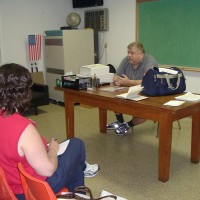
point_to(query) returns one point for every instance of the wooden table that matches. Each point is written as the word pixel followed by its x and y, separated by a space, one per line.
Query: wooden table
pixel 151 108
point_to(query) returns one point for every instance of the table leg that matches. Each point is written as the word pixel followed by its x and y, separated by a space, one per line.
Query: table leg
pixel 195 145
pixel 164 154
pixel 102 120
pixel 69 116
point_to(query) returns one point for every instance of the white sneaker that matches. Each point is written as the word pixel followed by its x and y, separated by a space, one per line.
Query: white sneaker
pixel 113 125
pixel 91 170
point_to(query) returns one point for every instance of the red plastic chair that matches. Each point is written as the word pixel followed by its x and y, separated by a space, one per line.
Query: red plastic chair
pixel 35 189
pixel 5 191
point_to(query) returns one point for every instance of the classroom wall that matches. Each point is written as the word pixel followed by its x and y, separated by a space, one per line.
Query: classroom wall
pixel 20 18
pixel 23 17
pixel 192 81
pixel 121 30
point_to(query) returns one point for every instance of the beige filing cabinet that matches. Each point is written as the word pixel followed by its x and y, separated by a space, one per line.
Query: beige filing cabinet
pixel 66 51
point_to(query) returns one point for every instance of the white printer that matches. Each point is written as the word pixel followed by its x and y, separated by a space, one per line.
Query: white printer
pixel 101 72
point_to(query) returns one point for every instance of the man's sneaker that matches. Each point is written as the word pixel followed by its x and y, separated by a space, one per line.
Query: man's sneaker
pixel 91 170
pixel 122 129
pixel 113 126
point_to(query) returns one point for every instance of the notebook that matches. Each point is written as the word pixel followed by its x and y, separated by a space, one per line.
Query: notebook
pixel 62 147
pixel 133 94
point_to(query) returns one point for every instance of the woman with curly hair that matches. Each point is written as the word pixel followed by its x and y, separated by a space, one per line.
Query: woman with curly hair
pixel 21 142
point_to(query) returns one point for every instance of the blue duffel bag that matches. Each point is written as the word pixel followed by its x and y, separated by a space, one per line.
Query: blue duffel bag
pixel 157 83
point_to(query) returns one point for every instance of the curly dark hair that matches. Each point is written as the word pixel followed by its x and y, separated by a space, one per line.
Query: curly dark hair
pixel 15 89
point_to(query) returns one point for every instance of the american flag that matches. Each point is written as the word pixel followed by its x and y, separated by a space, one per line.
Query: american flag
pixel 34 47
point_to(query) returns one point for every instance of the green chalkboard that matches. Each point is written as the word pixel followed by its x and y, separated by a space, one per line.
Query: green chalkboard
pixel 170 31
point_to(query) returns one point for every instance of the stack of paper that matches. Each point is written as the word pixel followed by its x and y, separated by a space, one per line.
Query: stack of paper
pixel 189 97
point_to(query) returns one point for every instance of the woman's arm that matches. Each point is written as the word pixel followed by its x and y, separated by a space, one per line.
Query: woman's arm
pixel 31 146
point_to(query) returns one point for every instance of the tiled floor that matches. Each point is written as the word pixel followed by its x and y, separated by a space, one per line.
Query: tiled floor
pixel 129 164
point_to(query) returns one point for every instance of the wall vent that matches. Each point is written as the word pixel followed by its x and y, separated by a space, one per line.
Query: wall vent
pixel 97 19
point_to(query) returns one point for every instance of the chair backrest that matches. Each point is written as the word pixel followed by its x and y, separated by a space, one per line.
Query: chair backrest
pixel 5 191
pixel 35 189
pixel 111 68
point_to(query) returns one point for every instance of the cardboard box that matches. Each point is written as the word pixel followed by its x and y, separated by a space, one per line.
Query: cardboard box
pixel 37 77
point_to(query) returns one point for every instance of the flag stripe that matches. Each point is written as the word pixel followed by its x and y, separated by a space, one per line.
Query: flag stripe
pixel 34 44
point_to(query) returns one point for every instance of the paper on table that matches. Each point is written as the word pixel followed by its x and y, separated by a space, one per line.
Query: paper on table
pixel 134 97
pixel 105 193
pixel 174 103
pixel 133 94
pixel 189 97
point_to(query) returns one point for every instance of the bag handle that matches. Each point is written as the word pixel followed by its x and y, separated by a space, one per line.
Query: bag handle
pixel 107 196
pixel 171 76
pixel 177 83
pixel 84 189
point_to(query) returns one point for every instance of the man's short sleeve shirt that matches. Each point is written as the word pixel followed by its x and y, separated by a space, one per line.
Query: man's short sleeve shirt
pixel 126 67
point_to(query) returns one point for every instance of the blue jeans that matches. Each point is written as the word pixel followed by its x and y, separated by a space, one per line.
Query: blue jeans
pixel 70 170
pixel 20 196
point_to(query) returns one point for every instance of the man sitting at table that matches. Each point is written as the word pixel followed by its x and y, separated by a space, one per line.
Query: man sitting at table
pixel 129 73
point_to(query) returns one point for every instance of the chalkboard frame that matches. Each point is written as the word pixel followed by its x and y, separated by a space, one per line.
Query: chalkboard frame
pixel 152 50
